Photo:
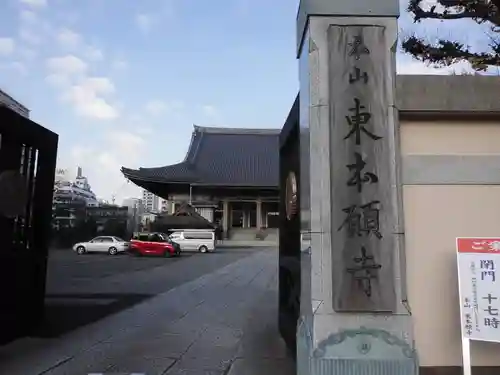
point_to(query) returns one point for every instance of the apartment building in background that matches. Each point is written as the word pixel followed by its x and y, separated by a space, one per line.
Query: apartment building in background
pixel 150 201
pixel 133 203
pixel 166 206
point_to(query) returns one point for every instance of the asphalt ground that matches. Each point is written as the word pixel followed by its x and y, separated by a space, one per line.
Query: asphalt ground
pixel 82 289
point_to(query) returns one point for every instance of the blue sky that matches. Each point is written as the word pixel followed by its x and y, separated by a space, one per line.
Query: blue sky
pixel 122 82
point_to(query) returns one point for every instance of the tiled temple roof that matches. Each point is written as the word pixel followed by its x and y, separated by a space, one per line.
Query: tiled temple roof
pixel 222 157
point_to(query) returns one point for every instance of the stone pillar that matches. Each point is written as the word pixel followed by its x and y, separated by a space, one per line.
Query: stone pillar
pixel 246 219
pixel 258 213
pixel 225 217
pixel 354 311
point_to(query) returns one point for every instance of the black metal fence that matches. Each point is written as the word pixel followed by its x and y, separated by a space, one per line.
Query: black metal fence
pixel 28 155
pixel 289 235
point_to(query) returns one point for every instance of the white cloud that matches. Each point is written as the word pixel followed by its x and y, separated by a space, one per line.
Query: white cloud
pixel 175 105
pixel 87 95
pixel 27 53
pixel 159 107
pixel 14 66
pixel 119 65
pixel 58 80
pixel 6 46
pixel 74 41
pixel 19 67
pixel 137 123
pixel 99 85
pixel 66 65
pixel 102 164
pixel 127 141
pixel 34 3
pixel 68 38
pixel 32 28
pixel 210 111
pixel 88 103
pixel 405 66
pixel 156 107
pixel 30 36
pixel 144 130
pixel 144 22
pixel 68 17
pixel 93 53
pixel 28 16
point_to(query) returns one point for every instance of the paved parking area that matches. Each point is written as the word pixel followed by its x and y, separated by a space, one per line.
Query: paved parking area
pixel 224 322
pixel 85 288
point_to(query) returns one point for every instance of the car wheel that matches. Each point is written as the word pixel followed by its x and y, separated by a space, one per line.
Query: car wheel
pixel 167 254
pixel 112 251
pixel 80 250
pixel 203 249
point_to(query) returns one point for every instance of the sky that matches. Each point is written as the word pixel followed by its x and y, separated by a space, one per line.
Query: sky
pixel 123 81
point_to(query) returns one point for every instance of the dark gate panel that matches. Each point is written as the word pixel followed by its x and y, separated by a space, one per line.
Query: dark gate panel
pixel 28 155
pixel 289 235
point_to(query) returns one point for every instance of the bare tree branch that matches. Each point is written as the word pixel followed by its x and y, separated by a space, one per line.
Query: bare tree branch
pixel 446 52
pixel 478 10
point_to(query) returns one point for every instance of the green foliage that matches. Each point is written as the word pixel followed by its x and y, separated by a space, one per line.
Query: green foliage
pixel 446 52
pixel 114 227
pixel 84 229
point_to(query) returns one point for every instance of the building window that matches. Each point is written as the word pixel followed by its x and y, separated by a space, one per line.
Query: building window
pixel 199 235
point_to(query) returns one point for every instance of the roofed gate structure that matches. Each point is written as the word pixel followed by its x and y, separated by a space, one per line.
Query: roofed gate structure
pixel 231 176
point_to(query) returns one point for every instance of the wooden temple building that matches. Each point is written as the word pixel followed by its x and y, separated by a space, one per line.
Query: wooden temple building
pixel 230 176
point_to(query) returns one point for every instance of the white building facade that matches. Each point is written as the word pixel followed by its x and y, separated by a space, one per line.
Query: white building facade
pixel 71 196
pixel 79 189
pixel 150 201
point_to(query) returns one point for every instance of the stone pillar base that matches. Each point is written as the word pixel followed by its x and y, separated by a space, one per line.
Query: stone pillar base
pixel 356 351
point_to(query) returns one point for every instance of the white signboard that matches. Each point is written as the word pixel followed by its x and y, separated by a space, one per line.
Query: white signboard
pixel 479 289
pixel 479 282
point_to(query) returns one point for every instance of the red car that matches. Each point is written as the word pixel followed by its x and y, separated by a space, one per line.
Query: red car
pixel 153 244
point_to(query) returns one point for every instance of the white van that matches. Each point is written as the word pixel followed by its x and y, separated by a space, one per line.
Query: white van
pixel 194 239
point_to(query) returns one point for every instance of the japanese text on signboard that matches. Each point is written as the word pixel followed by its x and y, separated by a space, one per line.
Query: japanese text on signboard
pixel 478 261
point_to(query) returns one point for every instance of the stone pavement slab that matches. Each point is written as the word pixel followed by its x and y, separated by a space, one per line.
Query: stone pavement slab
pixel 223 322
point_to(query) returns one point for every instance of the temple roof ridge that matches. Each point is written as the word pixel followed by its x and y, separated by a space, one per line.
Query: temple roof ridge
pixel 235 131
pixel 220 156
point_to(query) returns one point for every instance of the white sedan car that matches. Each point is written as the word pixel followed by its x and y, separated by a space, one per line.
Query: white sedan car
pixel 103 244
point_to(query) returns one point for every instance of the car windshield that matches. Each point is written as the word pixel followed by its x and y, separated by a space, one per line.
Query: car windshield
pixel 119 239
pixel 158 237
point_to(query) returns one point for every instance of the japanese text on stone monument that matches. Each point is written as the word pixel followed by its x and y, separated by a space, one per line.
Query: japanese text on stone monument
pixel 362 206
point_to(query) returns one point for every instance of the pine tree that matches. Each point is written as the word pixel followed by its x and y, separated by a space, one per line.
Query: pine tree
pixel 447 52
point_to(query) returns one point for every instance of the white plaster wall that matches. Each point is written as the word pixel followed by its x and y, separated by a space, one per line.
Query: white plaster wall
pixel 452 138
pixel 434 216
